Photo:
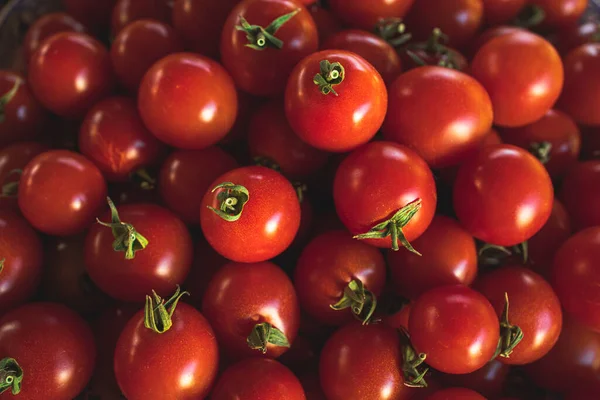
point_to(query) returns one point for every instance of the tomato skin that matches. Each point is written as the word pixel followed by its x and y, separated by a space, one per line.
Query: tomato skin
pixel 46 26
pixel 445 322
pixel 498 12
pixel 188 101
pixel 240 296
pixel 326 22
pixel 128 11
pixel 570 37
pixel 559 13
pixel 205 264
pixel 61 192
pixel 94 14
pixel 15 157
pixel 180 363
pixel 377 180
pixel 488 380
pixel 265 72
pixel 462 118
pixel 580 193
pixel 494 198
pixel 258 379
pixel 519 95
pixel 51 344
pixel 361 15
pixel 490 34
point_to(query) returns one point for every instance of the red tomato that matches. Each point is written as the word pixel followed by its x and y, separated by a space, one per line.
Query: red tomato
pixel 456 327
pixel 498 12
pixel 127 11
pixel 556 129
pixel 258 379
pixel 46 26
pixel 580 96
pixel 326 22
pixel 365 15
pixel 575 35
pixel 455 394
pixel 259 63
pixel 93 13
pixel 13 158
pixel 138 46
pixel 252 214
pixel 389 183
pixel 446 137
pixel 432 51
pixel 488 380
pixel 61 192
pixel 337 92
pixel 558 13
pixel 253 309
pixel 205 264
pixel 580 194
pixel 523 74
pixel 48 350
pixel 490 34
pixel 503 195
pixel 188 101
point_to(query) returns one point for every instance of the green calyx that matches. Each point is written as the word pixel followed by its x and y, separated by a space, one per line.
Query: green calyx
pixel 300 188
pixel 510 335
pixel 492 254
pixel 158 314
pixel 6 98
pixel 2 264
pixel 266 162
pixel 264 334
pixel 11 376
pixel 361 301
pixel 143 178
pixel 541 151
pixel 413 366
pixel 260 38
pixel 435 48
pixel 393 227
pixel 232 198
pixel 127 239
pixel 11 189
pixel 530 17
pixel 331 74
pixel 393 31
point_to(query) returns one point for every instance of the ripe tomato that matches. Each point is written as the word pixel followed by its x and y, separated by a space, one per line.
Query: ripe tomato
pixel 575 35
pixel 365 15
pixel 258 379
pixel 498 12
pixel 47 350
pixel 580 96
pixel 138 46
pixel 253 309
pixel 263 40
pixel 520 95
pixel 580 194
pixel 167 348
pixel 12 159
pixel 559 13
pixel 46 26
pixel 503 195
pixel 449 257
pixel 455 394
pixel 93 14
pixel 188 101
pixel 488 380
pixel 128 11
pixel 326 22
pixel 252 214
pixel 337 92
pixel 61 192
pixel 384 182
pixel 490 34
pixel 432 51
pixel 556 129
pixel 456 327
pixel 462 118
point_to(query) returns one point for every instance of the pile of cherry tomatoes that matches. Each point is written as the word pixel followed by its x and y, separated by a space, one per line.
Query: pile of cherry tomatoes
pixel 287 200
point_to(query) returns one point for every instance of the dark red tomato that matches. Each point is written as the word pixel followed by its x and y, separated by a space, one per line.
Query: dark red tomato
pixel 503 195
pixel 138 46
pixel 337 92
pixel 399 319
pixel 580 96
pixel 455 394
pixel 325 270
pixel 205 264
pixel 53 347
pixel 449 257
pixel 460 20
pixel 456 327
pixel 258 379
pixel 365 15
pixel 488 380
pixel 432 52
pixel 46 26
pixel 253 309
pixel 490 34
pixel 272 140
pixel 13 158
pixel 92 13
pixel 498 12
pixel 382 182
pixel 363 359
pixel 22 118
pixel 583 394
pixel 462 118
pixel 61 192
pixel 575 35
pixel 590 142
pixel 559 13
pixel 556 129
pixel 127 11
pixel 252 214
pixel 327 23
pixel 520 95
pixel 533 307
pixel 186 175
pixel 580 194
pixel 188 101
pixel 260 65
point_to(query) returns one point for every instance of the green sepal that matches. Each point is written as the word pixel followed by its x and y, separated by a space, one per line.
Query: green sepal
pixel 393 31
pixel 541 151
pixel 6 98
pixel 510 335
pixel 11 189
pixel 158 313
pixel 260 38
pixel 361 301
pixel 2 264
pixel 264 334
pixel 266 162
pixel 301 188
pixel 11 376
pixel 330 75
pixel 530 16
pixel 413 365
pixel 232 200
pixel 436 48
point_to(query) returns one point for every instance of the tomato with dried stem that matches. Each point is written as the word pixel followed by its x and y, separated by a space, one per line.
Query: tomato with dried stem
pixel 580 194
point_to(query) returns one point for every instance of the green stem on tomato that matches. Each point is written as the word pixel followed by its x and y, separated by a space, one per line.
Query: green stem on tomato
pixel 541 151
pixel 330 75
pixel 260 38
pixel 413 366
pixel 510 335
pixel 393 31
pixel 231 198
pixel 264 334
pixel 530 16
pixel 11 375
pixel 6 98
pixel 158 314
pixel 359 300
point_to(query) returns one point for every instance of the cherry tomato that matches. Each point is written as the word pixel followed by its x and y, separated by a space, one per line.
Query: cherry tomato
pixel 326 22
pixel 46 26
pixel 590 142
pixel 337 92
pixel 365 15
pixel 523 74
pixel 261 64
pixel 503 195
pixel 556 129
pixel 138 46
pixel 462 114
pixel 490 34
pixel 488 380
pixel 252 214
pixel 188 101
pixel 559 13
pixel 455 394
pixel 432 51
pixel 253 309
pixel 580 96
pixel 385 182
pixel 48 350
pixel 258 379
pixel 456 327
pixel 205 264
pixel 61 192
pixel 127 11
pixel 93 13
pixel 498 12
pixel 12 159
pixel 575 35
pixel 580 193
